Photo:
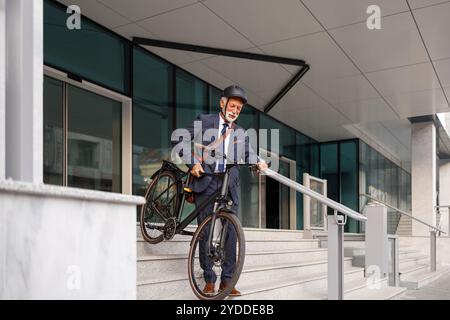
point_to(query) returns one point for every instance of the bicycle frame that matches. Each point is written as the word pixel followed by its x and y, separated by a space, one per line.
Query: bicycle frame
pixel 218 198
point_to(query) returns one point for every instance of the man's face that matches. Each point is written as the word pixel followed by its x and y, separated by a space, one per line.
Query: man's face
pixel 234 107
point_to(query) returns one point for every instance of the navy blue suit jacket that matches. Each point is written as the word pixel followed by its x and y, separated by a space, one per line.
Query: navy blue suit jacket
pixel 243 153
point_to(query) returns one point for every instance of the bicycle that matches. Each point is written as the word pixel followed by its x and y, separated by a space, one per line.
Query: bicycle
pixel 160 220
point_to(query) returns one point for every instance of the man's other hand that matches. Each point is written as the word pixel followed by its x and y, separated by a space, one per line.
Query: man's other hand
pixel 197 170
pixel 262 166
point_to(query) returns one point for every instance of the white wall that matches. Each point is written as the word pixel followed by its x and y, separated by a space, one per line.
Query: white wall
pixel 24 90
pixel 2 89
pixel 444 192
pixel 66 243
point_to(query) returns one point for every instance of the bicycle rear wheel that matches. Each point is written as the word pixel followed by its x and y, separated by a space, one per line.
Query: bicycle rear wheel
pixel 161 204
pixel 216 262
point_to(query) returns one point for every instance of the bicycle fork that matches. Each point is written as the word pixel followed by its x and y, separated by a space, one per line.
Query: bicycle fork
pixel 223 232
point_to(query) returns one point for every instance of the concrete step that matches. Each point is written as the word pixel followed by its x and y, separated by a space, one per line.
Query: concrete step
pixel 413 270
pixel 313 287
pixel 254 233
pixel 162 284
pixel 422 277
pixel 180 289
pixel 404 254
pixel 386 293
pixel 180 245
pixel 411 262
pixel 177 263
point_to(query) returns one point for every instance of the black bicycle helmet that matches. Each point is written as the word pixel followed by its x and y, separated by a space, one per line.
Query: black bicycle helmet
pixel 236 92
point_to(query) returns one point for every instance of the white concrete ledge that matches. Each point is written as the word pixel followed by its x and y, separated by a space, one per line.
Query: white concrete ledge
pixel 46 190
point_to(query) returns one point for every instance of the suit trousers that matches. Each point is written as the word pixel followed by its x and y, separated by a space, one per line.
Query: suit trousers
pixel 230 242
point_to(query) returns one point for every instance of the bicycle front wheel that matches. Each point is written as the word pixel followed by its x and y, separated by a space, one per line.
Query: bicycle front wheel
pixel 225 258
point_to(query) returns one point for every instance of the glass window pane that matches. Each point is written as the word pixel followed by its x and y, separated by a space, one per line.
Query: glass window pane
pixel 349 180
pixel 94 141
pixel 190 98
pixel 53 131
pixel 90 52
pixel 287 142
pixel 214 99
pixel 329 170
pixel 152 116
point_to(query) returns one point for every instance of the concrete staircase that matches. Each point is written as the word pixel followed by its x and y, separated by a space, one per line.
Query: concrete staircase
pixel 415 268
pixel 404 227
pixel 278 265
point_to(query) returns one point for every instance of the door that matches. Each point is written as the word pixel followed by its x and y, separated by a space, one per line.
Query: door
pixel 82 137
pixel 278 202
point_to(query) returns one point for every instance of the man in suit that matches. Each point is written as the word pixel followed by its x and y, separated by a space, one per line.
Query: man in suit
pixel 222 123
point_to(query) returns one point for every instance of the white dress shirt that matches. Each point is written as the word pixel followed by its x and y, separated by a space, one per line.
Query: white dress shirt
pixel 227 140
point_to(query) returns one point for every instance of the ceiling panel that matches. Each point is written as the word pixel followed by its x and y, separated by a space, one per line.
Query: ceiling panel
pixel 443 71
pixel 346 89
pixel 397 44
pixel 328 133
pixel 265 21
pixel 98 12
pixel 195 25
pixel 256 75
pixel 310 117
pixel 318 50
pixel 417 77
pixel 205 73
pixel 364 111
pixel 424 3
pixel 133 30
pixel 335 13
pixel 140 9
pixel 299 97
pixel 419 103
pixel 434 24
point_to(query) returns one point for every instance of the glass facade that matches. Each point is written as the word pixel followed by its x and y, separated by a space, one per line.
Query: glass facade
pixel 383 180
pixel 90 52
pixel 53 131
pixel 90 138
pixel 94 155
pixel 166 97
pixel 152 116
pixel 339 166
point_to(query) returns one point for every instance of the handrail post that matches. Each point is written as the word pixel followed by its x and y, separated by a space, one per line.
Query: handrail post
pixel 433 250
pixel 335 246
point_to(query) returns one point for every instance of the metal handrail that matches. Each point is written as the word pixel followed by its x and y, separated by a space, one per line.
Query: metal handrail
pixel 402 212
pixel 319 197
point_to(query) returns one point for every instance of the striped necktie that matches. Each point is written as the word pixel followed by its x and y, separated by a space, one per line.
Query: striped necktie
pixel 221 147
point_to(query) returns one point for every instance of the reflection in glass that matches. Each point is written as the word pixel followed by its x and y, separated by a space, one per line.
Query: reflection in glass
pixel 190 97
pixel 53 131
pixel 94 141
pixel 152 116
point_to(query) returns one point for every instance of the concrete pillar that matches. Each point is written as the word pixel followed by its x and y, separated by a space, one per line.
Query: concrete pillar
pixel 2 89
pixel 24 90
pixel 423 175
pixel 376 241
pixel 444 193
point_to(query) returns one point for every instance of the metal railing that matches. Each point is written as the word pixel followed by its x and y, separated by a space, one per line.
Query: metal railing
pixel 433 229
pixel 439 222
pixel 335 241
